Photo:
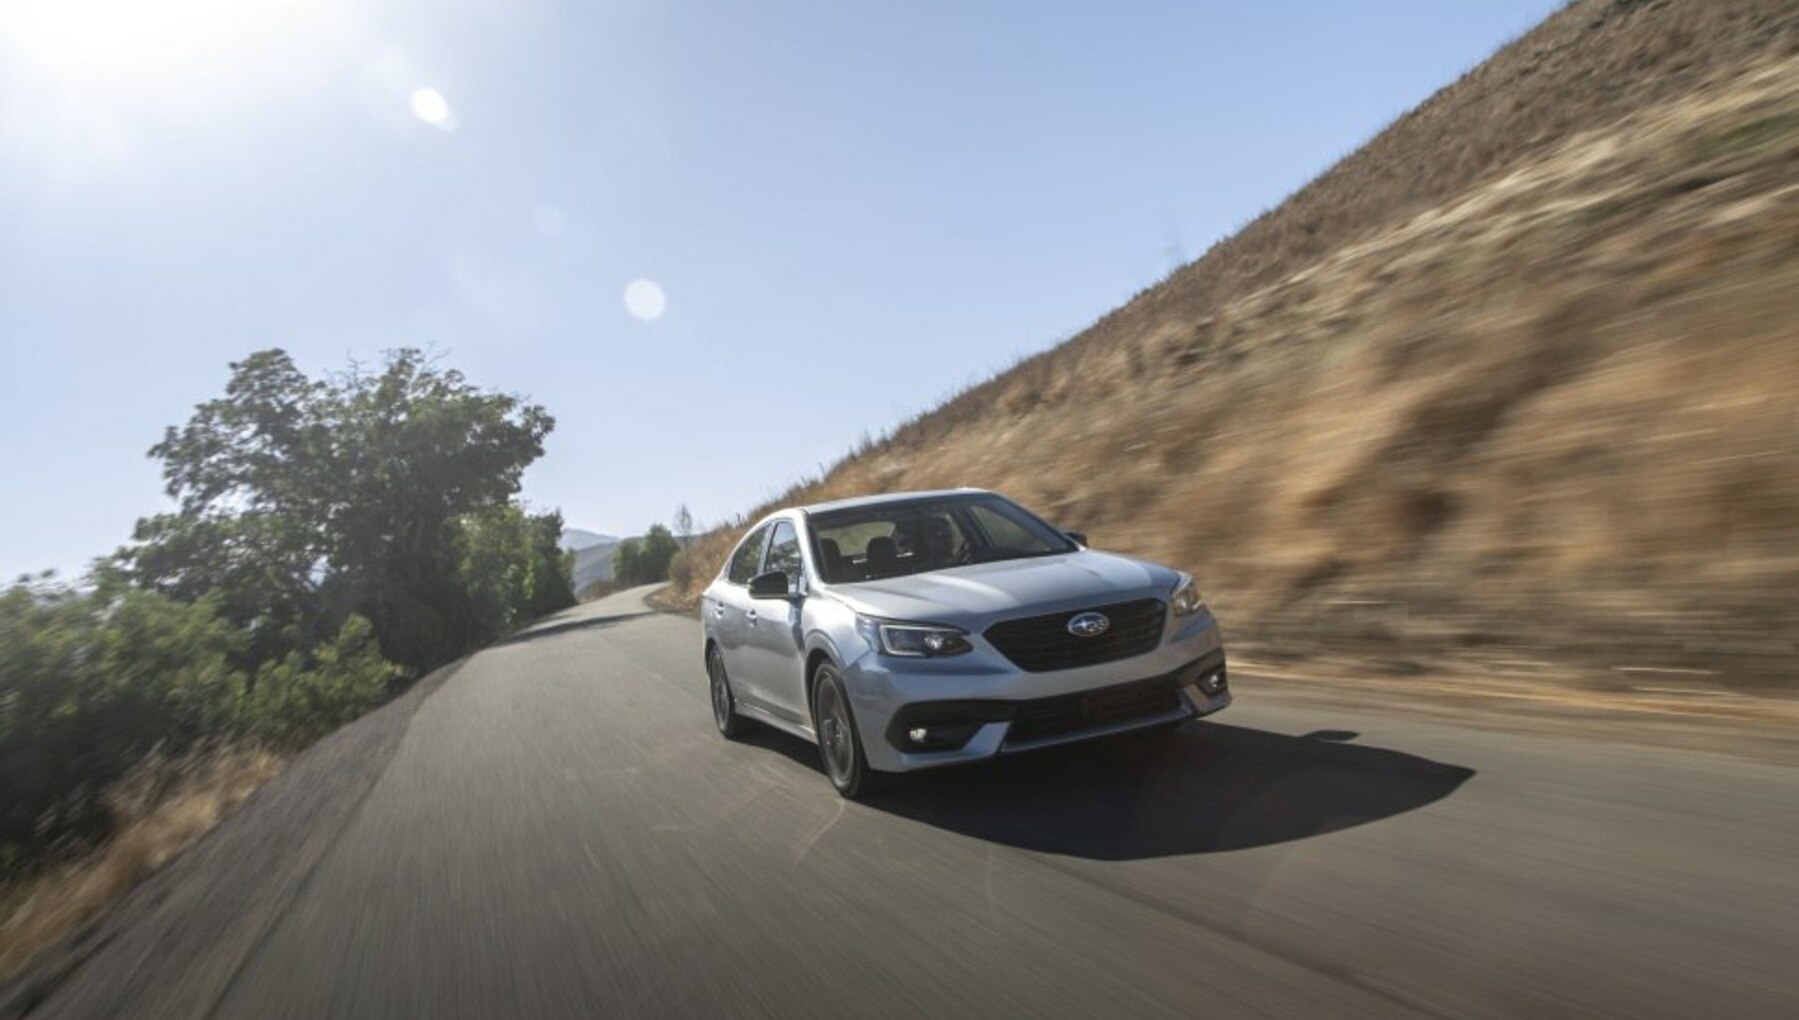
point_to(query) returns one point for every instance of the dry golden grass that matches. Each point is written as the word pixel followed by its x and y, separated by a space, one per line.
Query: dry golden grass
pixel 159 811
pixel 1528 411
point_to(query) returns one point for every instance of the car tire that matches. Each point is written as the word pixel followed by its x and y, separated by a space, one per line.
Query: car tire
pixel 724 702
pixel 839 743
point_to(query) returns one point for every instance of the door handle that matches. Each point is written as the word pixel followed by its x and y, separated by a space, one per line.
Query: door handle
pixel 752 617
pixel 718 610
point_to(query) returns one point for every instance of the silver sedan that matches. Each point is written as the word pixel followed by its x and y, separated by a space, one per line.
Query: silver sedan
pixel 914 630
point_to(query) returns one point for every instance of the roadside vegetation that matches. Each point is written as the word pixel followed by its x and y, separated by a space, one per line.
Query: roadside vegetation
pixel 644 560
pixel 332 539
pixel 1505 397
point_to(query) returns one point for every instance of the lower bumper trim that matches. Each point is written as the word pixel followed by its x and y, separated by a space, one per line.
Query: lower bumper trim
pixel 1181 714
pixel 1043 722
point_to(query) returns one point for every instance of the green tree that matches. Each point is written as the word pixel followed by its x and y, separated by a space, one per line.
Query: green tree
pixel 645 560
pixel 659 547
pixel 302 502
pixel 512 567
pixel 260 567
pixel 627 562
pixel 553 567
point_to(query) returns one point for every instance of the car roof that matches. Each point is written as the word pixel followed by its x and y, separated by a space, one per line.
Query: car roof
pixel 882 499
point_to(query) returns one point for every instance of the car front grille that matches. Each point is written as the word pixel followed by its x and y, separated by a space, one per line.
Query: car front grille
pixel 1040 644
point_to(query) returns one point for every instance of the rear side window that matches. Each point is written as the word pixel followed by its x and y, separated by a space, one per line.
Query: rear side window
pixel 784 552
pixel 747 560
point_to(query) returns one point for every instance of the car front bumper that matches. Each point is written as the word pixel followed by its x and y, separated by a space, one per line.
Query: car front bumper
pixel 987 708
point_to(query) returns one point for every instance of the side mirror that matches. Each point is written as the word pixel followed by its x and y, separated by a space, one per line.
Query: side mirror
pixel 771 585
pixel 1080 537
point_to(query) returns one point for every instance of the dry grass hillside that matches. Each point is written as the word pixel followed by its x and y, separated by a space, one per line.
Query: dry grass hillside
pixel 1511 390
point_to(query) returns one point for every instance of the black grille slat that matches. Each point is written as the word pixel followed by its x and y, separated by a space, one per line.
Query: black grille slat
pixel 1073 713
pixel 1040 644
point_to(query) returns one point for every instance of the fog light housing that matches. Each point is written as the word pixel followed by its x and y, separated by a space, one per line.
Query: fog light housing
pixel 930 735
pixel 1213 682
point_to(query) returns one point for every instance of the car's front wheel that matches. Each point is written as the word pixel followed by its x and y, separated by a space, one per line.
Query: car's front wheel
pixel 724 703
pixel 839 745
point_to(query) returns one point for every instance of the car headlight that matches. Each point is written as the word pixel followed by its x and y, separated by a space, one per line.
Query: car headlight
pixel 1187 600
pixel 916 640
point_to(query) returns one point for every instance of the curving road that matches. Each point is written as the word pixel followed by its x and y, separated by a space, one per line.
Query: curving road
pixel 553 828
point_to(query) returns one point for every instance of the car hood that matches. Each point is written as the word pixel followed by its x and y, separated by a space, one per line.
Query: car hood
pixel 1008 586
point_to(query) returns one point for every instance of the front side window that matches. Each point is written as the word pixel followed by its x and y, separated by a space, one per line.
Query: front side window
pixel 895 539
pixel 747 560
pixel 784 552
pixel 1004 532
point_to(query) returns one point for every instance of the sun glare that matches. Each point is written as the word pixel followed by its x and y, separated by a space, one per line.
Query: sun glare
pixel 104 38
pixel 133 50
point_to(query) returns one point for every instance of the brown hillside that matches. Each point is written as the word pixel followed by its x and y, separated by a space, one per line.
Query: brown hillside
pixel 1511 388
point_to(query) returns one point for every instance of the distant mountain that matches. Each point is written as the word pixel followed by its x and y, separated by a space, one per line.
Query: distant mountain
pixel 575 539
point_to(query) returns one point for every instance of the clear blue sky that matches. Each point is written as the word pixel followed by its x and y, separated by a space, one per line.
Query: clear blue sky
pixel 850 209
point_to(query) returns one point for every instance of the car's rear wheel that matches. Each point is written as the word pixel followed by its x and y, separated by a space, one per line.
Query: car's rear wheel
pixel 724 703
pixel 839 745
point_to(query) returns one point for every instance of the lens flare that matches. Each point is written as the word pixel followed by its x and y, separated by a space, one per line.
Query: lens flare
pixel 430 106
pixel 644 300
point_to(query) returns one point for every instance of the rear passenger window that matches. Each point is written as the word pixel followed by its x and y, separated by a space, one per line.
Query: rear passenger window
pixel 747 560
pixel 784 552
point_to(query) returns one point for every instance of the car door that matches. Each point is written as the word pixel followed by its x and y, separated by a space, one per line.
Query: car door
pixel 731 608
pixel 776 646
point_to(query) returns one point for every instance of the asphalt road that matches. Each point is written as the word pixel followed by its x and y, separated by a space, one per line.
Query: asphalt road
pixel 555 829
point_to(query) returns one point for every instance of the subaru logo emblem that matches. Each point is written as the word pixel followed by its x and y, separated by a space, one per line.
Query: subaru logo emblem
pixel 1089 624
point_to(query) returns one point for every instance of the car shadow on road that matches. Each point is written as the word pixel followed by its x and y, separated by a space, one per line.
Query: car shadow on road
pixel 1204 788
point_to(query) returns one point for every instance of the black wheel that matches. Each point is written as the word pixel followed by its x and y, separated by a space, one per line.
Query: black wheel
pixel 839 745
pixel 724 703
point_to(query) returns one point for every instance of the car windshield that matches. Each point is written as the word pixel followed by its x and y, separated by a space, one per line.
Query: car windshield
pixel 896 539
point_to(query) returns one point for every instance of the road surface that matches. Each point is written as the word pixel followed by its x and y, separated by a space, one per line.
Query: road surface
pixel 554 828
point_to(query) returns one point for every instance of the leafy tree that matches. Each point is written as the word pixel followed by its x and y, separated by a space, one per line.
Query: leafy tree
pixel 627 562
pixel 683 523
pixel 659 547
pixel 512 567
pixel 260 567
pixel 645 560
pixel 302 502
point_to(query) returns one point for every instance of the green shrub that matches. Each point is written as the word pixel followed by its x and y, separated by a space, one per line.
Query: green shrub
pixel 293 702
pixel 90 683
